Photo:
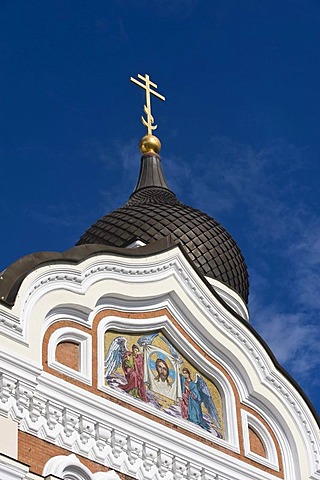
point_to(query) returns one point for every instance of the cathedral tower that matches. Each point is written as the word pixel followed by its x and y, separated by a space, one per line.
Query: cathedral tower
pixel 131 355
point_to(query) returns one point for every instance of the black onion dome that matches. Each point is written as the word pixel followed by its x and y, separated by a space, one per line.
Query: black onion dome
pixel 153 212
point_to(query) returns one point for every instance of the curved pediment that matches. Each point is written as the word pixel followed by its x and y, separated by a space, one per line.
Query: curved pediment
pixel 108 296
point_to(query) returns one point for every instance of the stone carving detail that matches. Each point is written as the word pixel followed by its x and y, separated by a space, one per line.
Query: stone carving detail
pixel 70 466
pixel 7 388
pixel 14 398
pixel 15 328
pixel 95 440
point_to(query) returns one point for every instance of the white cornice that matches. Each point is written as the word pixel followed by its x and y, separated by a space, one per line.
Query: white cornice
pixel 231 297
pixel 103 431
pixel 11 469
pixel 55 469
pixel 70 466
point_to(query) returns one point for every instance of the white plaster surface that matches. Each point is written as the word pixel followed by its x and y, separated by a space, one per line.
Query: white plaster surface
pixel 147 284
pixel 8 437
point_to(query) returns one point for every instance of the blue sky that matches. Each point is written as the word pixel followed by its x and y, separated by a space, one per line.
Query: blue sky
pixel 239 129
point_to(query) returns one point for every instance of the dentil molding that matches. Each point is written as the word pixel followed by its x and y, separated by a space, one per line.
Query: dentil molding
pixel 98 429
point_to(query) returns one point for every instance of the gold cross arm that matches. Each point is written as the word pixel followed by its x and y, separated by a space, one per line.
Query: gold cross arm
pixel 147 107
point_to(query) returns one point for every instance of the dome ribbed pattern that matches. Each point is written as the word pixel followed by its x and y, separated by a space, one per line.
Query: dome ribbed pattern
pixel 154 212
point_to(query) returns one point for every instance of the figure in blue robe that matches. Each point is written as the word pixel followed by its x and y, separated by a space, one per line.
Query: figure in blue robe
pixel 191 400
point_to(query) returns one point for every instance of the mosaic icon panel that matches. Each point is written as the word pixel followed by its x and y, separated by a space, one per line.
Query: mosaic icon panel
pixel 149 368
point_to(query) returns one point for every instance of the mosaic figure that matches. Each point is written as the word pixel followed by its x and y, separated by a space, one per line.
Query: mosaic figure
pixel 193 395
pixel 150 369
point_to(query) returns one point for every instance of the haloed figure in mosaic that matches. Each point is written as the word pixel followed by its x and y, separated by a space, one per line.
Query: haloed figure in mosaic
pixel 162 371
pixel 162 383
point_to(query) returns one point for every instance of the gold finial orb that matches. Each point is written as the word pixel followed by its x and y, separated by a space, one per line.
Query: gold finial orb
pixel 150 144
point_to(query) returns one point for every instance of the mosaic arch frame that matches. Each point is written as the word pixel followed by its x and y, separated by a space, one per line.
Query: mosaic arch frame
pixel 178 400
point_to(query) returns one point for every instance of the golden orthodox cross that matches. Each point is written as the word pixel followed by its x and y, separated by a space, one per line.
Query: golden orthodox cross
pixel 147 107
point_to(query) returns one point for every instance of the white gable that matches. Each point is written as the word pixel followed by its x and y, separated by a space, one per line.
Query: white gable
pixel 99 426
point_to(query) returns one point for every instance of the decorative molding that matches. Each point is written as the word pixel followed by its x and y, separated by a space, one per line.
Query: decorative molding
pixel 12 469
pixel 75 313
pixel 56 468
pixel 155 269
pixel 70 466
pixel 281 387
pixel 271 460
pixel 84 341
pixel 72 418
pixel 231 297
pixel 11 326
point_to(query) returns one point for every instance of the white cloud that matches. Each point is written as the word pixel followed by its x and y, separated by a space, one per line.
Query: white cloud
pixel 280 231
pixel 292 335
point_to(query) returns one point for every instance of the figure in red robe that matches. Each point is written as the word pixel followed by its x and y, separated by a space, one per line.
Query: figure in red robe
pixel 132 364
